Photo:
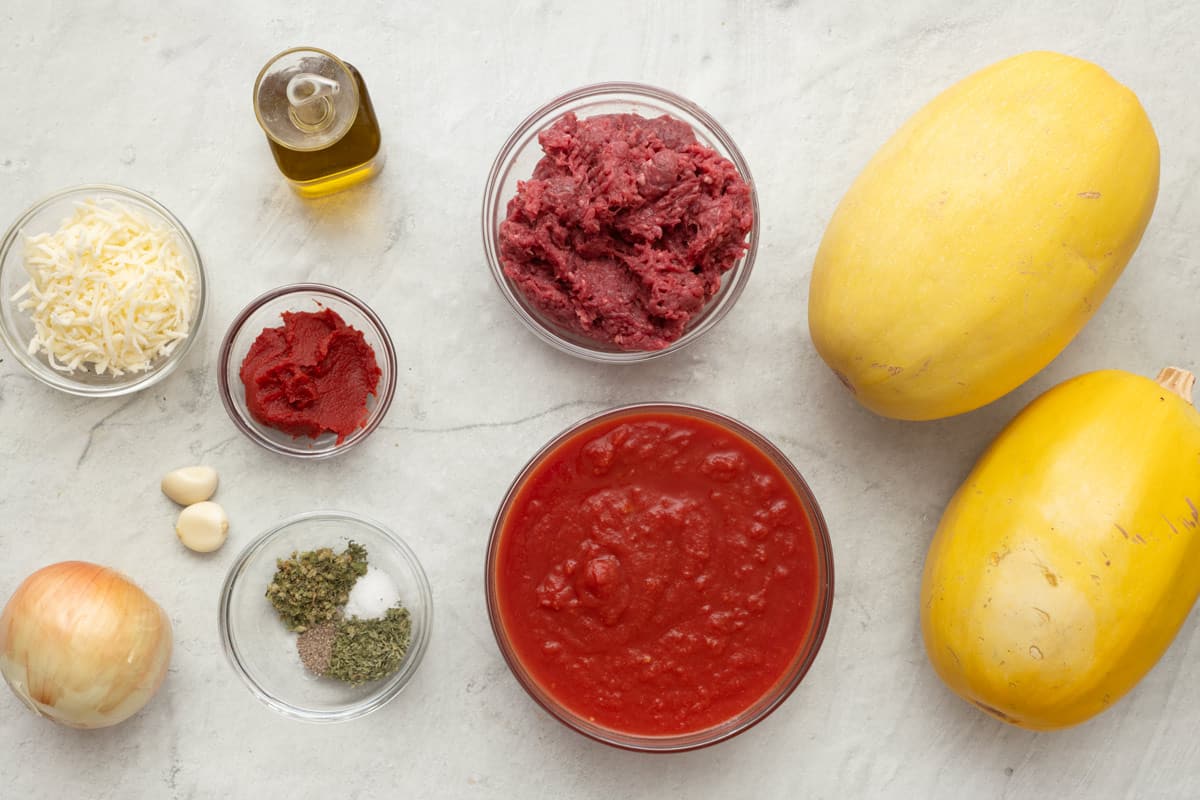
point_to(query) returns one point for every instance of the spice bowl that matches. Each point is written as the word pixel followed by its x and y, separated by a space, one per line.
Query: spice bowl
pixel 18 329
pixel 263 652
pixel 521 153
pixel 266 311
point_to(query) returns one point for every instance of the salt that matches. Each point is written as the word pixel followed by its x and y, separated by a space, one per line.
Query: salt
pixel 373 594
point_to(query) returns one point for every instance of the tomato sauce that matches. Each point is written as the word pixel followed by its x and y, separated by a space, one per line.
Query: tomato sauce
pixel 657 574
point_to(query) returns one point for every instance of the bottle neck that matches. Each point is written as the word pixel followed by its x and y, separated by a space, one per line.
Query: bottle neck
pixel 310 101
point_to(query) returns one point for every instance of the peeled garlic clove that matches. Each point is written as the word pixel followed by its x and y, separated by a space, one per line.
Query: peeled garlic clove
pixel 190 484
pixel 202 527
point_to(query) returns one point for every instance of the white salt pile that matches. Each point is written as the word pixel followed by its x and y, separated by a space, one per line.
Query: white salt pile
pixel 373 594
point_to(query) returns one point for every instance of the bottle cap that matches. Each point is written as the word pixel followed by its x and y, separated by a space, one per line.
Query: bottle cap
pixel 305 99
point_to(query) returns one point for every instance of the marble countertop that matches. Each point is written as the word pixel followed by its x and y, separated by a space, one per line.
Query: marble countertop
pixel 156 96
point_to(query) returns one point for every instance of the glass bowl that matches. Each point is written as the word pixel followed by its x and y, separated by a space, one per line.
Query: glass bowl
pixel 263 652
pixel 783 686
pixel 521 153
pixel 16 327
pixel 266 311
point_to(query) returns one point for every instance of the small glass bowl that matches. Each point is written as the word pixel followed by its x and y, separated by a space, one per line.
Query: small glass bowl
pixel 263 652
pixel 521 153
pixel 788 681
pixel 17 329
pixel 266 311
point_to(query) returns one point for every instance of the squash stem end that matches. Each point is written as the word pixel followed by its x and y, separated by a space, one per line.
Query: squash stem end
pixel 1179 381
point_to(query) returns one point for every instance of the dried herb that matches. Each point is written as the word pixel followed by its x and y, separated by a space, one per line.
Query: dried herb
pixel 311 588
pixel 369 649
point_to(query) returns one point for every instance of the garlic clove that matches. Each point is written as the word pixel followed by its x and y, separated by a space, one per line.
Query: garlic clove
pixel 202 527
pixel 190 484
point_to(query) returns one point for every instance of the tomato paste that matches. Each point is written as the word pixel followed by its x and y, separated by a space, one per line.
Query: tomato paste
pixel 310 376
pixel 625 228
pixel 657 574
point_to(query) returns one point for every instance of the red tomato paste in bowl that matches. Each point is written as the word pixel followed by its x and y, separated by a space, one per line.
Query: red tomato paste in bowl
pixel 310 376
pixel 659 577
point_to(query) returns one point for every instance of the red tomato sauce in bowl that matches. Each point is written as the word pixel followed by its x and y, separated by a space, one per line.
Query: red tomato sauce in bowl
pixel 659 577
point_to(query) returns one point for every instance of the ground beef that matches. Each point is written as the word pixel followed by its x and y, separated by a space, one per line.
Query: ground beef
pixel 625 228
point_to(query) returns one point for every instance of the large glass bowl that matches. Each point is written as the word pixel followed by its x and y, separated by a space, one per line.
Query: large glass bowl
pixel 17 328
pixel 783 686
pixel 521 153
pixel 263 652
pixel 266 311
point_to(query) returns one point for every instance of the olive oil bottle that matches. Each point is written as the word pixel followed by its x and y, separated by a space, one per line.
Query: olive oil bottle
pixel 319 121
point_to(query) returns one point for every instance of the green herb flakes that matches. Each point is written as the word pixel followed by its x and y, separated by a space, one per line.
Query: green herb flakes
pixel 369 649
pixel 311 588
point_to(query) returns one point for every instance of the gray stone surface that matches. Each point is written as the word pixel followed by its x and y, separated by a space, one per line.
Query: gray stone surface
pixel 156 96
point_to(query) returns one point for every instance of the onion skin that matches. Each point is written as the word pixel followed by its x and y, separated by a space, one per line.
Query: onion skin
pixel 83 645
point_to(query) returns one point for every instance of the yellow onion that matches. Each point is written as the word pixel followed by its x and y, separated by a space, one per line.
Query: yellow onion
pixel 83 645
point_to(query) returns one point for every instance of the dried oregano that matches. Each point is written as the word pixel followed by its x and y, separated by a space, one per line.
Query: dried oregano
pixel 311 587
pixel 369 649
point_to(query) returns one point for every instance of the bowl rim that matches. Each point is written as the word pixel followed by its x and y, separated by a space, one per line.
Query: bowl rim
pixel 148 378
pixel 789 680
pixel 395 684
pixel 492 200
pixel 383 399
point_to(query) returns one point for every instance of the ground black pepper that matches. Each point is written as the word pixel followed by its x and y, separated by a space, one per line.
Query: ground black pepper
pixel 316 647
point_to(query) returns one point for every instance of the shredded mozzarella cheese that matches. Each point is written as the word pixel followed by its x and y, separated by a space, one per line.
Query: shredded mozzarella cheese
pixel 110 290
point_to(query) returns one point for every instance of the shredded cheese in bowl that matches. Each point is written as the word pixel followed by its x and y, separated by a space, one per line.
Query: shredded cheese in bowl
pixel 110 291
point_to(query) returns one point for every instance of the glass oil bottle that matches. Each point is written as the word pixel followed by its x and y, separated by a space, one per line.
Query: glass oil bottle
pixel 319 121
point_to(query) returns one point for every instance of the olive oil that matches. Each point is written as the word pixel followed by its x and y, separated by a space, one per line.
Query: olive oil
pixel 319 120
